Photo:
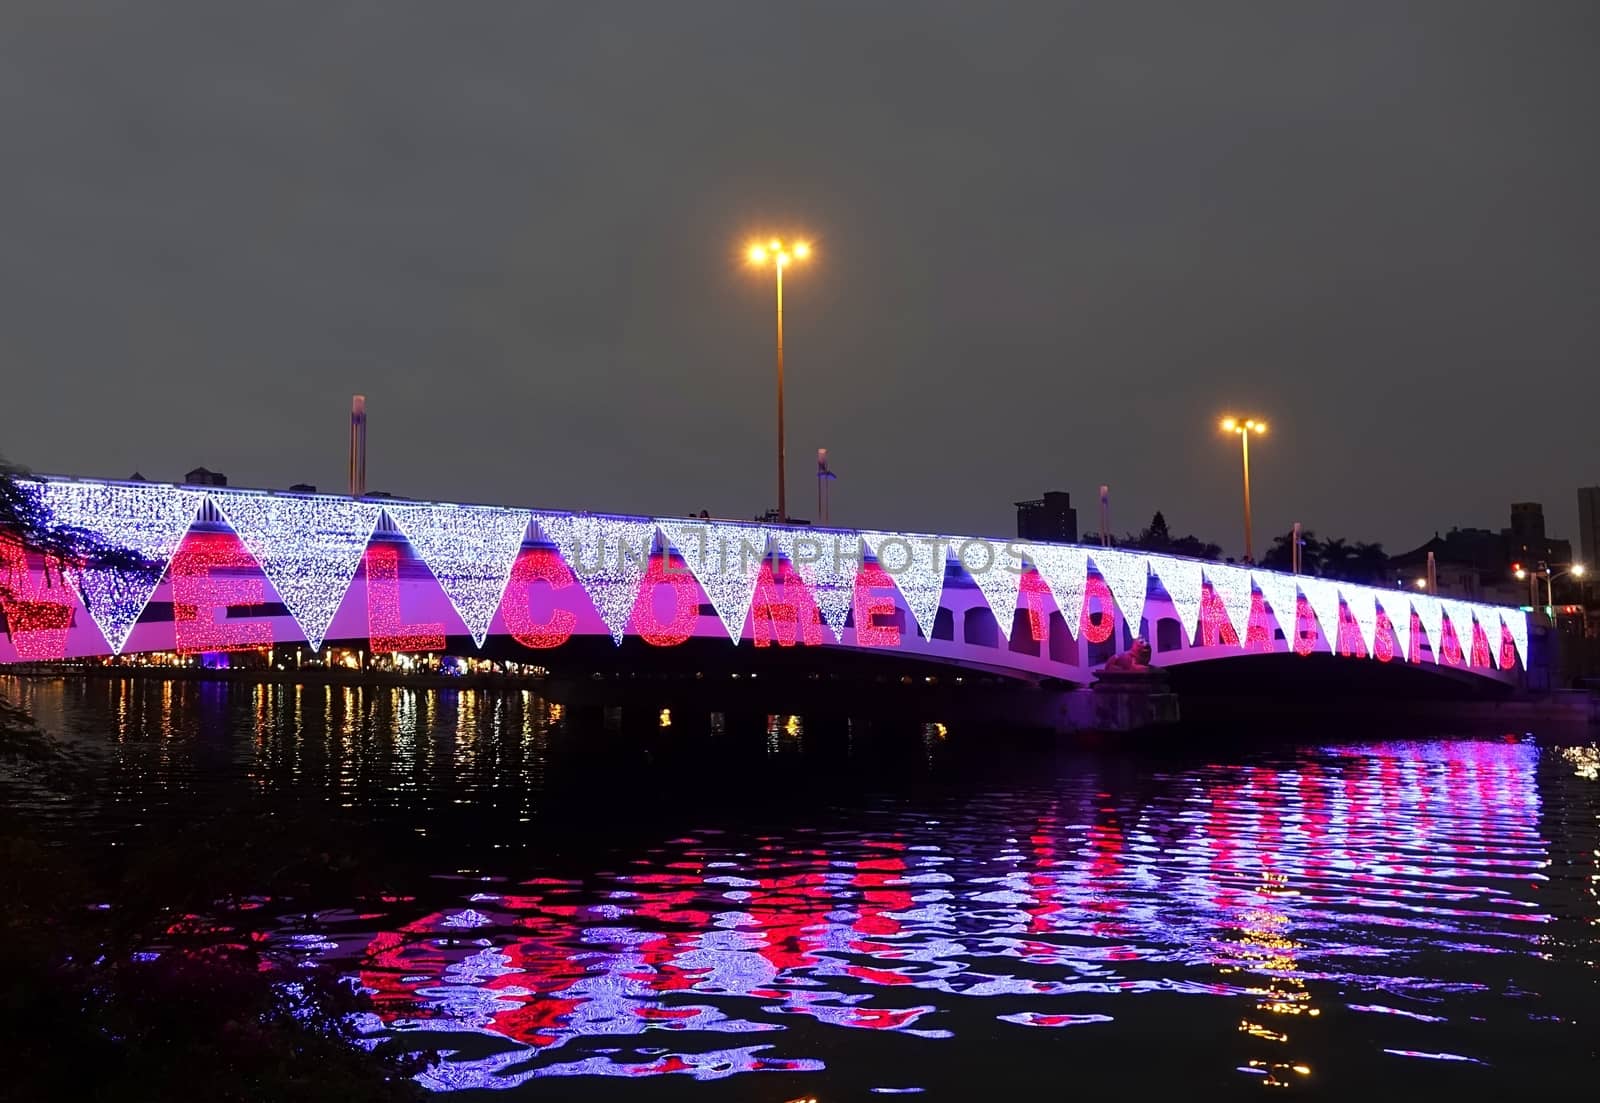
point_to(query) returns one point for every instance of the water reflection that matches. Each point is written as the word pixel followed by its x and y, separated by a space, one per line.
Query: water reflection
pixel 1303 917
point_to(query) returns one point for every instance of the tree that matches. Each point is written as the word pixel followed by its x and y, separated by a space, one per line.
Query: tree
pixel 1336 557
pixel 1157 537
pixel 25 519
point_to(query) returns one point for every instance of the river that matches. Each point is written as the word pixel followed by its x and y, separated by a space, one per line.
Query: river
pixel 771 908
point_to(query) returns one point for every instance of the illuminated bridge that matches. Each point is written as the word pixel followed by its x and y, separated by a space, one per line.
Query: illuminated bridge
pixel 228 570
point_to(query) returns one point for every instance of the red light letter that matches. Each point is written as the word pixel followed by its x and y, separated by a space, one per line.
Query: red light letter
pixel 1383 643
pixel 868 605
pixel 685 608
pixel 1033 593
pixel 538 565
pixel 37 617
pixel 385 628
pixel 787 615
pixel 1305 628
pixel 198 595
pixel 1101 631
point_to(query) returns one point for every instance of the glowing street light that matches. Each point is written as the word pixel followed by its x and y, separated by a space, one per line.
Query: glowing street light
pixel 780 256
pixel 1245 428
pixel 1577 570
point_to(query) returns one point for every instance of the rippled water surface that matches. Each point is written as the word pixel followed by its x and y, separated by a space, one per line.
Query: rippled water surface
pixel 800 918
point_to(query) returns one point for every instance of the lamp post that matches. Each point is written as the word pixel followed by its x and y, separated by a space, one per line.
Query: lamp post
pixel 1577 570
pixel 780 256
pixel 1245 428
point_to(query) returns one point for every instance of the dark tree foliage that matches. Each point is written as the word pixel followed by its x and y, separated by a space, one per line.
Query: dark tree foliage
pixel 1348 561
pixel 26 520
pixel 1157 537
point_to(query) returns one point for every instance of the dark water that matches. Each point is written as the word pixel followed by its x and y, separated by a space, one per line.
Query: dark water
pixel 744 908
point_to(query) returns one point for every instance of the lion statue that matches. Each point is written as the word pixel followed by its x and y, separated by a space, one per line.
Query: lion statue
pixel 1136 658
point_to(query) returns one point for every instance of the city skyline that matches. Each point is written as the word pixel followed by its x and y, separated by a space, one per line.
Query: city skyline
pixel 1051 251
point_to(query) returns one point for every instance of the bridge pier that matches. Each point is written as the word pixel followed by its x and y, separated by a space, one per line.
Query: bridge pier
pixel 1120 702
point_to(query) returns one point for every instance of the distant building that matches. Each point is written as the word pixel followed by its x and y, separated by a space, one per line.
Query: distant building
pixel 1589 525
pixel 1051 519
pixel 202 477
pixel 1477 564
pixel 1526 541
pixel 302 488
pixel 137 478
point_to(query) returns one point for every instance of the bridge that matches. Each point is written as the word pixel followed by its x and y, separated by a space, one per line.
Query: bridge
pixel 221 569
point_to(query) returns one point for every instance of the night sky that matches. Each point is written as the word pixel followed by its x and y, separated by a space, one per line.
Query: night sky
pixel 1053 243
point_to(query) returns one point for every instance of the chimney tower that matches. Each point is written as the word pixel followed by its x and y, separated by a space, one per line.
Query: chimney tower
pixel 358 446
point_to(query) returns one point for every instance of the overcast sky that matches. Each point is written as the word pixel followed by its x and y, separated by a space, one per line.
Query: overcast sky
pixel 1053 242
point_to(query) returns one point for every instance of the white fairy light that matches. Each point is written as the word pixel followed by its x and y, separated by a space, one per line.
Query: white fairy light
pixel 917 565
pixel 1282 594
pixel 1489 617
pixel 1234 590
pixel 1460 614
pixel 1397 607
pixel 1065 569
pixel 1127 574
pixel 827 562
pixel 1323 597
pixel 1430 614
pixel 470 550
pixel 1516 622
pixel 1184 581
pixel 1362 601
pixel 149 520
pixel 726 560
pixel 997 572
pixel 608 555
pixel 308 547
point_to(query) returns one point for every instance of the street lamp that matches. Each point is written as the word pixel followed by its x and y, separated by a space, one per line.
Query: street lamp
pixel 780 256
pixel 1577 570
pixel 1245 428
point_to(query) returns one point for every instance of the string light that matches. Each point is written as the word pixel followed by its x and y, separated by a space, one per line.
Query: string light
pixel 1215 629
pixel 386 630
pixel 1282 593
pixel 1397 608
pixel 1305 628
pixel 1324 598
pixel 1481 655
pixel 1351 645
pixel 1032 593
pixel 1128 576
pixel 726 560
pixel 1259 636
pixel 1460 616
pixel 609 556
pixel 870 602
pixel 1518 627
pixel 916 563
pixel 1384 639
pixel 537 565
pixel 470 550
pixel 1362 603
pixel 1065 569
pixel 646 622
pixel 1098 631
pixel 147 520
pixel 788 615
pixel 1508 649
pixel 308 548
pixel 1489 618
pixel 1232 585
pixel 1183 580
pixel 199 594
pixel 998 575
pixel 1430 614
pixel 827 563
pixel 1450 646
pixel 38 617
